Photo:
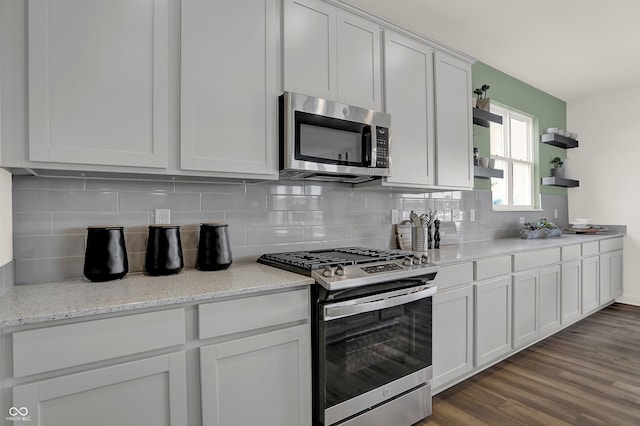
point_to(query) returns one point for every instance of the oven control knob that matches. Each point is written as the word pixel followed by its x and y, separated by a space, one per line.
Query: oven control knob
pixel 425 259
pixel 340 270
pixel 407 261
pixel 417 260
pixel 328 271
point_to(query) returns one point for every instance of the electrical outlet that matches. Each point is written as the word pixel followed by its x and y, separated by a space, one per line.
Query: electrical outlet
pixel 521 220
pixel 555 213
pixel 472 215
pixel 162 216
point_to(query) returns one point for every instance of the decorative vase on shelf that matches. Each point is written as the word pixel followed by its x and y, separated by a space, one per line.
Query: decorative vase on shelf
pixel 483 104
pixel 557 172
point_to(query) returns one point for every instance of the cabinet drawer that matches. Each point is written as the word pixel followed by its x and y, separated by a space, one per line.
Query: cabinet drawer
pixel 453 275
pixel 250 313
pixel 80 343
pixel 610 245
pixel 489 268
pixel 535 259
pixel 589 249
pixel 571 252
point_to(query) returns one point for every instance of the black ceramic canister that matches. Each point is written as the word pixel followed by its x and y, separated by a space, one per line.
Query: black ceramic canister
pixel 164 250
pixel 214 249
pixel 105 257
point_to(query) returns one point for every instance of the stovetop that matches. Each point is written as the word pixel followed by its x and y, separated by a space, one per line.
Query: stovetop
pixel 351 266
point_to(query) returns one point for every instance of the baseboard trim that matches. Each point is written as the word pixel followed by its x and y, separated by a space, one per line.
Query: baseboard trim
pixel 629 300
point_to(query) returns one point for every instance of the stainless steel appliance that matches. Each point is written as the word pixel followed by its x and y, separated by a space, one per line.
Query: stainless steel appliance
pixel 331 141
pixel 371 324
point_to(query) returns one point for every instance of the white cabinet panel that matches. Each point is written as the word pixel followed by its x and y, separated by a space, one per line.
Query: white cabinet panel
pixel 453 275
pixel 98 82
pixel 452 334
pixel 492 267
pixel 612 244
pixel 535 259
pixel 571 285
pixel 590 284
pixel 526 302
pixel 310 60
pixel 150 392
pixel 549 299
pixel 229 87
pixel 610 276
pixel 409 99
pixel 264 379
pixel 454 134
pixel 492 319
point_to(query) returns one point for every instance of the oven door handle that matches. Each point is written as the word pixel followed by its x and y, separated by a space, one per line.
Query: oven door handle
pixel 354 307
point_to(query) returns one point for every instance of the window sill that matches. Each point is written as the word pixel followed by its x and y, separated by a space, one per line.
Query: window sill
pixel 515 209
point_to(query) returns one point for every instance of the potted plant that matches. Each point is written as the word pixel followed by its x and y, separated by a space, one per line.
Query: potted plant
pixel 557 170
pixel 482 102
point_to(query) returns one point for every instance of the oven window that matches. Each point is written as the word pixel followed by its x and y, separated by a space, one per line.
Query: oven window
pixel 368 350
pixel 330 140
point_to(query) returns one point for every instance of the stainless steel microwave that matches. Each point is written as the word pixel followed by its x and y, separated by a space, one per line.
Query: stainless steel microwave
pixel 331 141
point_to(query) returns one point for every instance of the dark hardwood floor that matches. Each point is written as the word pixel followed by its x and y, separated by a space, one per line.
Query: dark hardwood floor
pixel 587 374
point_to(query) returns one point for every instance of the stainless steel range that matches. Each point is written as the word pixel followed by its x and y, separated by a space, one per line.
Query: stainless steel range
pixel 371 327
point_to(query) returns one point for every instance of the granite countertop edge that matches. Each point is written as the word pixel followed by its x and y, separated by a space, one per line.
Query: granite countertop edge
pixel 26 304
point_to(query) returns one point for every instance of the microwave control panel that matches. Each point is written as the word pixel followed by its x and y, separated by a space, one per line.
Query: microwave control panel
pixel 382 147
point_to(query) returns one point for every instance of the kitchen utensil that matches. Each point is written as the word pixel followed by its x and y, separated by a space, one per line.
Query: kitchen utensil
pixel 105 257
pixel 164 250
pixel 214 249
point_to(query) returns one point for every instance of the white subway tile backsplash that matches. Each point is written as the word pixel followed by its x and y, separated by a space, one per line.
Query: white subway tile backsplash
pixel 51 216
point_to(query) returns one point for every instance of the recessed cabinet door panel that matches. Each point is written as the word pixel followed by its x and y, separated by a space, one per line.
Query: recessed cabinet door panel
pixel 409 99
pixel 310 48
pixel 525 307
pixel 229 99
pixel 454 134
pixel 149 392
pixel 358 66
pixel 549 299
pixel 493 319
pixel 571 291
pixel 98 82
pixel 590 284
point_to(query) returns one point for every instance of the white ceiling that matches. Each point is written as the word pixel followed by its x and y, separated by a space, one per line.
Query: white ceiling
pixel 567 48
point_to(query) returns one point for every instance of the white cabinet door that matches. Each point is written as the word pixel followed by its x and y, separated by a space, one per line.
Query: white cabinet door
pixel 332 54
pixel 571 299
pixel 549 299
pixel 409 99
pixel 98 82
pixel 358 64
pixel 454 128
pixel 590 284
pixel 149 392
pixel 229 87
pixel 492 319
pixel 526 301
pixel 610 276
pixel 452 335
pixel 310 64
pixel 260 380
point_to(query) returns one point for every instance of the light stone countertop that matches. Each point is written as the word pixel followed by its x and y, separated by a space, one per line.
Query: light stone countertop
pixel 39 303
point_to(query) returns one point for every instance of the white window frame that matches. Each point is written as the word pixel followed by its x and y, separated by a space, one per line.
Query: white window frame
pixel 506 114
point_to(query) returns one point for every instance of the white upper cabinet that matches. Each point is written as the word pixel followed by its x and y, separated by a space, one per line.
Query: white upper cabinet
pixel 98 82
pixel 229 87
pixel 454 128
pixel 331 53
pixel 409 99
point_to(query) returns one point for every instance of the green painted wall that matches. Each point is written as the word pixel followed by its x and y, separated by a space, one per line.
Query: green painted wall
pixel 548 110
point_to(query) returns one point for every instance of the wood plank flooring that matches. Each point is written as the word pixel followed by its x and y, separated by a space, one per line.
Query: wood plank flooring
pixel 587 374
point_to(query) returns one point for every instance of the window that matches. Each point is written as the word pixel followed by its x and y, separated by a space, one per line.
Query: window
pixel 512 147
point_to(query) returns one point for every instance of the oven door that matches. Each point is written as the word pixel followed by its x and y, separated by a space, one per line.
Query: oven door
pixel 373 349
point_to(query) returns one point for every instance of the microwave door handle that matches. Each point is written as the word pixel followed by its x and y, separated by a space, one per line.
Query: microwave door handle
pixel 340 311
pixel 369 157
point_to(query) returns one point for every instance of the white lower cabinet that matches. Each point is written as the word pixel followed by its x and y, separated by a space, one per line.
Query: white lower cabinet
pixel 571 291
pixel 526 302
pixel 492 319
pixel 148 392
pixel 263 379
pixel 452 335
pixel 550 298
pixel 590 284
pixel 610 276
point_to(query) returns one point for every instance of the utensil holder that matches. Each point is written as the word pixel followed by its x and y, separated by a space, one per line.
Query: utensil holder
pixel 419 237
pixel 164 250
